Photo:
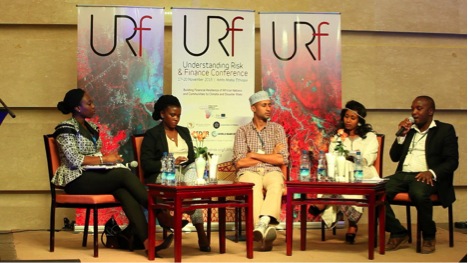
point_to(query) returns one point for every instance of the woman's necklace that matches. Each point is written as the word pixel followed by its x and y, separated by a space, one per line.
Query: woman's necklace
pixel 171 134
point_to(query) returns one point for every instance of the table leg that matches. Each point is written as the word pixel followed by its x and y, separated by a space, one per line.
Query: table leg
pixel 303 227
pixel 371 221
pixel 382 226
pixel 151 227
pixel 222 226
pixel 289 223
pixel 249 224
pixel 178 229
pixel 208 225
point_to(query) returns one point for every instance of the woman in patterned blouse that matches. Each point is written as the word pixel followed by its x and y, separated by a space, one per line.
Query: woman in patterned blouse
pixel 79 144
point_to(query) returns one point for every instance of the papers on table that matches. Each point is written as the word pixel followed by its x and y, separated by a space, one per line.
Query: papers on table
pixel 104 166
pixel 374 180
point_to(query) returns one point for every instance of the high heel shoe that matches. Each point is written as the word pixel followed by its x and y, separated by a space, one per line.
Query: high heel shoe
pixel 165 244
pixel 315 211
pixel 204 248
pixel 349 237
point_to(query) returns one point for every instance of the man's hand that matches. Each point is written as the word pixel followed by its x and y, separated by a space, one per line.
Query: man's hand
pixel 425 177
pixel 278 148
pixel 406 124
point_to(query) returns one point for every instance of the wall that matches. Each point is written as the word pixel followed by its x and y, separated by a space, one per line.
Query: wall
pixel 392 51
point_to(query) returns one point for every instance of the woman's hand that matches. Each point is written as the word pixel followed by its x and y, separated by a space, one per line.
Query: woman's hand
pixel 112 158
pixel 180 159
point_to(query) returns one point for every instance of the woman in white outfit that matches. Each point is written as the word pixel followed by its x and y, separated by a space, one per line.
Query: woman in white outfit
pixel 360 137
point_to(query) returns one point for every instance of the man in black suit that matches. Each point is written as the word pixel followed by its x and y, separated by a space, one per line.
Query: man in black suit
pixel 427 156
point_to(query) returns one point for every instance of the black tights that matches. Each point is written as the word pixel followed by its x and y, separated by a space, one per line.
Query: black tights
pixel 126 188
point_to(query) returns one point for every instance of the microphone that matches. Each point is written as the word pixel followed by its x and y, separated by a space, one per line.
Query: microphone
pixel 132 164
pixel 402 129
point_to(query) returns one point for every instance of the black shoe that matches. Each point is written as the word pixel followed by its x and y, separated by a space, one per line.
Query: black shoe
pixel 205 248
pixel 461 225
pixel 349 237
pixel 165 244
pixel 315 211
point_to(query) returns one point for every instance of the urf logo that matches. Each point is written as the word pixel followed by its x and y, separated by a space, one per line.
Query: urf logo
pixel 315 34
pixel 116 17
pixel 220 40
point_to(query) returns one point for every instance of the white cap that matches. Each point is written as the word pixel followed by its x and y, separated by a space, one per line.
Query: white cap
pixel 259 96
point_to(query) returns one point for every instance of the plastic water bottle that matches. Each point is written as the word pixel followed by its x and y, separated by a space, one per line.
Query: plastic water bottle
pixel 321 167
pixel 206 174
pixel 358 174
pixel 304 167
pixel 163 168
pixel 170 176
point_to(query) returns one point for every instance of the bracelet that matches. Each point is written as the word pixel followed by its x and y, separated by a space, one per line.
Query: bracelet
pixel 100 158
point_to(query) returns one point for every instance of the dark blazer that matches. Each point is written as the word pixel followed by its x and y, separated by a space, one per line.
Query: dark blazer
pixel 155 144
pixel 441 157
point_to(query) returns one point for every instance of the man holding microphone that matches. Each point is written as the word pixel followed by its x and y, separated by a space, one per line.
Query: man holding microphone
pixel 427 156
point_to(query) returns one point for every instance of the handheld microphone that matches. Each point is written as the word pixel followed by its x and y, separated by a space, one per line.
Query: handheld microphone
pixel 132 164
pixel 402 129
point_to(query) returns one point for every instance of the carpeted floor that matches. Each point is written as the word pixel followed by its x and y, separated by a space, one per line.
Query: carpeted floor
pixel 33 246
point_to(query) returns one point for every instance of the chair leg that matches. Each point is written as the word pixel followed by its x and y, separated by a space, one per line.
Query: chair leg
pixel 408 223
pixel 86 227
pixel 376 224
pixel 450 219
pixel 322 229
pixel 238 224
pixel 52 228
pixel 95 232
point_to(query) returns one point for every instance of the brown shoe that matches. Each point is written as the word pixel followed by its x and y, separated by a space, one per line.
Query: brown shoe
pixel 395 243
pixel 428 246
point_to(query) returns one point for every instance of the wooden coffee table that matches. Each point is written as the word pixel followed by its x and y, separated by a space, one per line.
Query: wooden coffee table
pixel 179 198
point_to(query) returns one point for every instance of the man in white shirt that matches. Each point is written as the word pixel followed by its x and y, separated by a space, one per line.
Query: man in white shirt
pixel 427 156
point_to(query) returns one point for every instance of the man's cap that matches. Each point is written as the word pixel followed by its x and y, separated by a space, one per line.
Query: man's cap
pixel 259 96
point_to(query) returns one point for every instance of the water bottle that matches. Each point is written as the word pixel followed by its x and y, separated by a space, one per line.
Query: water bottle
pixel 358 174
pixel 304 167
pixel 206 174
pixel 321 167
pixel 170 176
pixel 163 168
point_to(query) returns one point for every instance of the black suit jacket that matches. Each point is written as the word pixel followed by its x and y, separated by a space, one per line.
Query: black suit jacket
pixel 441 157
pixel 155 144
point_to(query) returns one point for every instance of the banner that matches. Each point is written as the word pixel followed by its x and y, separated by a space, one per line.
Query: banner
pixel 213 72
pixel 120 64
pixel 301 70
